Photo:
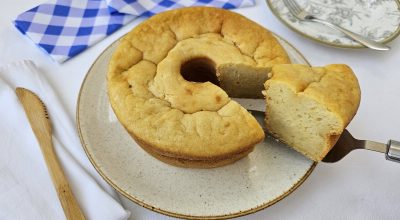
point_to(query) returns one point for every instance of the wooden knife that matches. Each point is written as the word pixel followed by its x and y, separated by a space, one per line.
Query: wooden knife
pixel 40 122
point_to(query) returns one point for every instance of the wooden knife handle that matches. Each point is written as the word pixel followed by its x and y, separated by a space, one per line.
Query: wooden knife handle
pixel 65 195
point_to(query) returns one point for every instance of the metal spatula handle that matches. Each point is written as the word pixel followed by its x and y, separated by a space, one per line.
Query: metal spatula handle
pixel 393 151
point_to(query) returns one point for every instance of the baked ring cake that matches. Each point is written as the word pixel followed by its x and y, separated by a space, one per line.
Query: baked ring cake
pixel 171 78
pixel 309 107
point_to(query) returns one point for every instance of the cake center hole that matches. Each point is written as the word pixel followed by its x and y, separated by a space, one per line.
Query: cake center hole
pixel 200 70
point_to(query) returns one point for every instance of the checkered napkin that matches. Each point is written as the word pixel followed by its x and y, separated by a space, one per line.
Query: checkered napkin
pixel 64 28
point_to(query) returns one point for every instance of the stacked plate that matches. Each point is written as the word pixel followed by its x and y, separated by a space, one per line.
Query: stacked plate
pixel 378 20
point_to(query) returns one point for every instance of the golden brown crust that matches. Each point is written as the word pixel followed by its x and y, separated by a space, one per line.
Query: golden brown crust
pixel 191 163
pixel 338 90
pixel 165 154
pixel 174 117
pixel 334 86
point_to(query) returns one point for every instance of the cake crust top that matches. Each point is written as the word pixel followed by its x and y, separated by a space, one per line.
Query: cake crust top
pixel 177 117
pixel 334 86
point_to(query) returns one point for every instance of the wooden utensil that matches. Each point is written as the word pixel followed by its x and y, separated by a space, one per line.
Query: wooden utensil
pixel 40 122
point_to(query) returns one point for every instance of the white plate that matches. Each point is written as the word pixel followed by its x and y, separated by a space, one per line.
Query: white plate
pixel 376 19
pixel 268 174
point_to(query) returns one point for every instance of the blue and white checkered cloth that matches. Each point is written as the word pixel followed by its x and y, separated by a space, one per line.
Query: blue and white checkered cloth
pixel 64 28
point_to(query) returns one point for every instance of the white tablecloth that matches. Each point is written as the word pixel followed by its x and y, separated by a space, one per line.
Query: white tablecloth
pixel 361 186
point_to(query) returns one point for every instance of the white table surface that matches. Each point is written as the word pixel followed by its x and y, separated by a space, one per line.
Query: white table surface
pixel 361 186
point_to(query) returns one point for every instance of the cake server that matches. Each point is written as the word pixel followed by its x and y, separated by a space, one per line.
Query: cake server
pixel 345 144
pixel 40 122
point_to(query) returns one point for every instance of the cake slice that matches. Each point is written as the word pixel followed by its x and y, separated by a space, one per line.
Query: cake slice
pixel 309 107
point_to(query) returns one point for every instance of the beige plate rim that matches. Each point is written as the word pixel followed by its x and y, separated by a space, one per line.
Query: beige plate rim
pixel 345 46
pixel 168 213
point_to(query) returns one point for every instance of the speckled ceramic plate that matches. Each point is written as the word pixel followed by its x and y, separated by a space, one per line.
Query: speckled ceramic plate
pixel 267 175
pixel 376 19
